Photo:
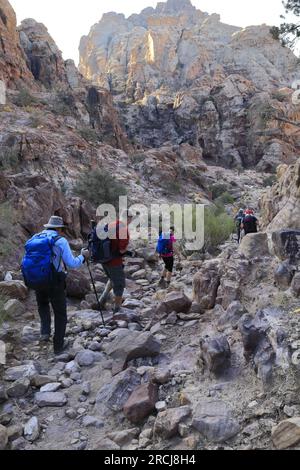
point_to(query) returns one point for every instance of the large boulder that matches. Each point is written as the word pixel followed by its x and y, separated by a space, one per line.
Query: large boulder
pixel 115 394
pixel 175 302
pixel 132 345
pixel 215 353
pixel 254 245
pixel 141 402
pixel 14 290
pixel 206 283
pixel 214 420
pixel 286 245
pixel 51 399
pixel 78 285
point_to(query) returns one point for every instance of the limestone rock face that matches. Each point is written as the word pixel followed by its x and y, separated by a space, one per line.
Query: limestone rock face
pixel 280 203
pixel 13 67
pixel 180 75
pixel 43 56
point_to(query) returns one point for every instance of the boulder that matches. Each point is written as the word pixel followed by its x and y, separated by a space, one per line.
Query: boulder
pixel 233 314
pixel 52 399
pixel 18 388
pixel 215 353
pixel 175 302
pixel 15 373
pixel 123 438
pixel 14 290
pixel 254 245
pixel 284 275
pixel 78 285
pixel 286 434
pixel 141 403
pixel 115 394
pixel 214 420
pixel 167 422
pixel 286 245
pixel 132 345
pixel 205 285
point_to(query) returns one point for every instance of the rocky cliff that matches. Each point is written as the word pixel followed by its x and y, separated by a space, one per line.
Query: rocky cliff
pixel 13 68
pixel 180 75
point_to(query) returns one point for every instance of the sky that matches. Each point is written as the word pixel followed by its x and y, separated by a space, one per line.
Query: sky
pixel 68 20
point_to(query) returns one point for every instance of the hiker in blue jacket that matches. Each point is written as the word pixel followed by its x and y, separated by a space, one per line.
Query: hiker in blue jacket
pixel 52 290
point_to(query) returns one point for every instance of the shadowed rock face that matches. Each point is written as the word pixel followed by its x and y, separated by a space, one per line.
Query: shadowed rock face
pixel 180 75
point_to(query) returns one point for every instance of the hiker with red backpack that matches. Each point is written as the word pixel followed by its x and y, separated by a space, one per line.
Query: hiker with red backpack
pixel 110 253
pixel 165 249
pixel 250 222
pixel 47 257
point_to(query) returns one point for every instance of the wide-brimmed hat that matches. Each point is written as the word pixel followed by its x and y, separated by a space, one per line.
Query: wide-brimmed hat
pixel 55 222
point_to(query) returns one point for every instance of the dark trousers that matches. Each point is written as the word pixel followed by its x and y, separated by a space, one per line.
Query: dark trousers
pixel 56 296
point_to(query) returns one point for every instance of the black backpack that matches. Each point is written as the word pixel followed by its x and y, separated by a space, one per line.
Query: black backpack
pixel 250 224
pixel 101 250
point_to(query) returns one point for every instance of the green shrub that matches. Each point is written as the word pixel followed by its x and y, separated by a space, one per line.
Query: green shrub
pixel 217 190
pixel 218 226
pixel 9 157
pixel 89 134
pixel 225 198
pixel 99 187
pixel 24 99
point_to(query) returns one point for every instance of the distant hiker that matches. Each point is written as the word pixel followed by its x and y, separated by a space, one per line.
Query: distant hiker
pixel 48 255
pixel 165 249
pixel 238 223
pixel 112 252
pixel 250 222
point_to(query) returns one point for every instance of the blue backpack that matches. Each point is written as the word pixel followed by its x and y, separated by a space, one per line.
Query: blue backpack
pixel 37 266
pixel 163 246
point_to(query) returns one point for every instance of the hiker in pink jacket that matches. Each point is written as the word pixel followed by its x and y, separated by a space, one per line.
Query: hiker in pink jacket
pixel 166 253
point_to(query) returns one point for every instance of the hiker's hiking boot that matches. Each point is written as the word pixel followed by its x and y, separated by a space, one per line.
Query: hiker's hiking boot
pixel 60 350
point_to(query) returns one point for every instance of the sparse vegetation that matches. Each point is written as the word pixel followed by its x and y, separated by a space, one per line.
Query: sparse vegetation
pixel 99 187
pixel 89 134
pixel 270 180
pixel 24 99
pixel 225 198
pixel 64 103
pixel 218 227
pixel 9 157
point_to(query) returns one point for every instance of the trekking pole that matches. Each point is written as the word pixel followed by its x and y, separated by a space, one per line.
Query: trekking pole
pixel 95 290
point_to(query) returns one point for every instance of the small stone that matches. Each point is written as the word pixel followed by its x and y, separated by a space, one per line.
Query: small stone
pixel 71 413
pixel 289 411
pixel 19 388
pixel 95 346
pixel 32 429
pixel 86 388
pixel 18 444
pixel 162 376
pixel 14 308
pixel 51 387
pixel 160 406
pixel 85 358
pixel 72 367
pixel 56 399
pixel 41 380
pixel 66 383
pixel 91 421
